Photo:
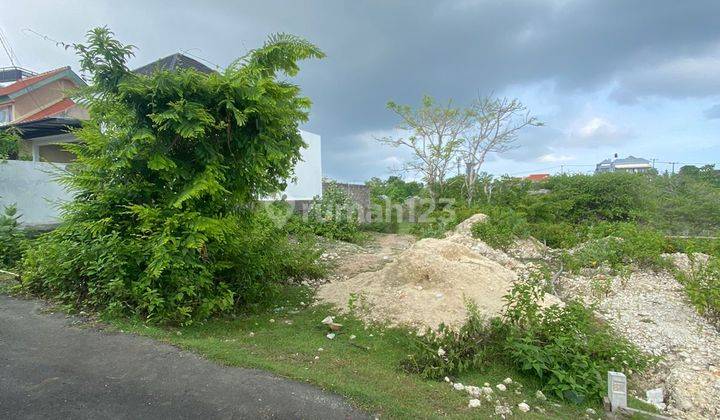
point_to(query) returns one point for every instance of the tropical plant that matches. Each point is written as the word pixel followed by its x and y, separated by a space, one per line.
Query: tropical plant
pixel 12 239
pixel 168 170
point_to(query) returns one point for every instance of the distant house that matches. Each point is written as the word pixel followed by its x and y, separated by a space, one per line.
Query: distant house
pixel 37 102
pixel 629 164
pixel 537 177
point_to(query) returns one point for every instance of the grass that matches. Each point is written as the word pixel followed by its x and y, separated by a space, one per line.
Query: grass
pixel 6 283
pixel 364 369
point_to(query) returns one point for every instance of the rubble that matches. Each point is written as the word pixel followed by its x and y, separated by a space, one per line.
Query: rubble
pixel 651 310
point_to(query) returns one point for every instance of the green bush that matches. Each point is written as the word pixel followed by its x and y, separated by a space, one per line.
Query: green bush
pixel 333 216
pixel 564 346
pixel 110 272
pixel 702 285
pixel 691 245
pixel 447 352
pixel 12 239
pixel 557 235
pixel 168 169
pixel 9 143
pixel 619 245
pixel 612 197
pixel 502 227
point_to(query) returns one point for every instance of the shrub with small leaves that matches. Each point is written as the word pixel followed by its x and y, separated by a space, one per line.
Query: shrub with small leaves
pixel 12 239
pixel 702 285
pixel 501 228
pixel 448 352
pixel 333 216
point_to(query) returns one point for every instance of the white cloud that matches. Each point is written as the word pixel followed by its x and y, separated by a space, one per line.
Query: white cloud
pixel 597 131
pixel 553 158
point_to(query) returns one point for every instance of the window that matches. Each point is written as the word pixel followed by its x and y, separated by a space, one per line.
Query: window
pixel 5 114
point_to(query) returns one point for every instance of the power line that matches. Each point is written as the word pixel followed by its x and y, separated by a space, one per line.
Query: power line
pixel 8 49
pixel 46 38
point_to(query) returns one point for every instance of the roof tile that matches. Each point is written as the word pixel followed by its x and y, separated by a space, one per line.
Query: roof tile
pixel 29 81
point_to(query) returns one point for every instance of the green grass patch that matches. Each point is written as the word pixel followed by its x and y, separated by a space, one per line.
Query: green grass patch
pixel 366 369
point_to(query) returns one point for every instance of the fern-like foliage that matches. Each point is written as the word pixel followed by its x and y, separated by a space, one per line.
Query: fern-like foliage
pixel 167 171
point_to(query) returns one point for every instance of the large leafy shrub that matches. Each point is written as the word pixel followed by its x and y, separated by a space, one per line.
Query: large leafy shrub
pixel 166 176
pixel 613 197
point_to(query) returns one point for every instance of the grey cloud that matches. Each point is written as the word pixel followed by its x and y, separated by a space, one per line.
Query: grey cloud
pixel 713 112
pixel 400 50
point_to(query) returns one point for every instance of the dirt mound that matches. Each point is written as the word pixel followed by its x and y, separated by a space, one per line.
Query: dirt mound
pixel 462 234
pixel 425 285
pixel 428 284
pixel 465 227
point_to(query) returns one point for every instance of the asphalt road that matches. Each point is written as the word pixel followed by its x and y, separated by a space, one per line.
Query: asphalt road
pixel 51 368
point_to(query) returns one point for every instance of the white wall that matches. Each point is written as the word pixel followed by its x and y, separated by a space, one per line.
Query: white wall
pixel 32 187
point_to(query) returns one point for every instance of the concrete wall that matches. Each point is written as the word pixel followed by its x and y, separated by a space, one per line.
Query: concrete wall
pixel 31 186
pixel 358 193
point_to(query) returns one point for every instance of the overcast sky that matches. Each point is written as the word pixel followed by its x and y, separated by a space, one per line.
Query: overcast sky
pixel 629 77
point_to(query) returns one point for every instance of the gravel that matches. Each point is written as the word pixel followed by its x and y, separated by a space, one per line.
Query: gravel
pixel 652 311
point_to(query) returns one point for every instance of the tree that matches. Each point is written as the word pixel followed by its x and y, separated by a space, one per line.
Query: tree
pixel 494 127
pixel 433 135
pixel 394 188
pixel 168 169
pixel 9 143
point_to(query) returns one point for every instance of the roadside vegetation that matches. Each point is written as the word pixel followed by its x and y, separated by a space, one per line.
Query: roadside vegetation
pixel 167 238
pixel 168 173
pixel 287 336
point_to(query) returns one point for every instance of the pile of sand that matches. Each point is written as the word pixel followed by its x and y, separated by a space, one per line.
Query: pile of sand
pixel 427 284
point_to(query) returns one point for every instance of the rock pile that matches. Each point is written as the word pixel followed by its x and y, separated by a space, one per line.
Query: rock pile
pixel 652 311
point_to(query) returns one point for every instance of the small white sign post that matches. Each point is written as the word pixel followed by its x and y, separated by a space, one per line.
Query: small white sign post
pixel 617 390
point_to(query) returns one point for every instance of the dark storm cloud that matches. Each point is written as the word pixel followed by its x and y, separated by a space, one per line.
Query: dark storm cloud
pixel 399 50
pixel 402 50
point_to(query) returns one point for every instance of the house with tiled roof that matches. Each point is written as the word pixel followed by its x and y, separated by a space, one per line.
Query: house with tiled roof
pixel 31 185
pixel 537 177
pixel 28 99
pixel 629 164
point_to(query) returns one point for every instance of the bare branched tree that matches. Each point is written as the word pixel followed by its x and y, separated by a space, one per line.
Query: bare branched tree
pixel 494 127
pixel 434 135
